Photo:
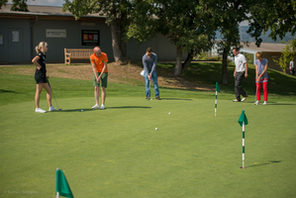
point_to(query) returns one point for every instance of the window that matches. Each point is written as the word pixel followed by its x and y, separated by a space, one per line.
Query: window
pixel 90 37
pixel 15 36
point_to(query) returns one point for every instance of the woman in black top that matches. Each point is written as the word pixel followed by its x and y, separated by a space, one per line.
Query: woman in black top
pixel 40 76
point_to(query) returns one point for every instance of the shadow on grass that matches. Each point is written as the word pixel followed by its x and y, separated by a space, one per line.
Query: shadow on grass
pixel 130 107
pixel 176 99
pixel 119 107
pixel 265 163
pixel 7 91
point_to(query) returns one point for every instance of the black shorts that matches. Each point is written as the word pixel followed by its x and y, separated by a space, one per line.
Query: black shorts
pixel 40 77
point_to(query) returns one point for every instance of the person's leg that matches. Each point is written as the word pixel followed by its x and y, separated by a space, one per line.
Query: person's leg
pixel 103 93
pixel 48 94
pixel 97 95
pixel 236 86
pixel 258 91
pixel 265 91
pixel 155 83
pixel 37 95
pixel 147 86
pixel 242 91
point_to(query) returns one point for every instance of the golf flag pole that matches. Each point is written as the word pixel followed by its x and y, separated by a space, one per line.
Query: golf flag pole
pixel 243 120
pixel 216 97
pixel 62 186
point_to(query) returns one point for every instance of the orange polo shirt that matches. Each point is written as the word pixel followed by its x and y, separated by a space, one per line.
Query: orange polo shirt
pixel 99 61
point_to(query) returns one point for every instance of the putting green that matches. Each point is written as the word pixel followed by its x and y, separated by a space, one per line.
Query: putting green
pixel 117 152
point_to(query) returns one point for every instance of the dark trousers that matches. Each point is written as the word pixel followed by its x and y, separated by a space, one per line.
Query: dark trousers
pixel 238 88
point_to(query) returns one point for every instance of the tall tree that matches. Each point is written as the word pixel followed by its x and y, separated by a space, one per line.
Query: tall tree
pixel 117 14
pixel 228 14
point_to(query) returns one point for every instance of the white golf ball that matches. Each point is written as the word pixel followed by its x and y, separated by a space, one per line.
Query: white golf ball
pixel 81 110
pixel 169 113
pixel 156 129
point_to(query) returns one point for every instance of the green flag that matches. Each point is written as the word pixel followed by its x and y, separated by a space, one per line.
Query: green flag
pixel 217 87
pixel 243 118
pixel 63 187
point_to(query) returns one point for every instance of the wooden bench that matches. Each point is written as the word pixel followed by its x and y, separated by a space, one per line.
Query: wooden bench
pixel 75 54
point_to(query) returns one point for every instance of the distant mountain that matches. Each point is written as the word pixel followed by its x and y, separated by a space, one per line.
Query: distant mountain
pixel 244 36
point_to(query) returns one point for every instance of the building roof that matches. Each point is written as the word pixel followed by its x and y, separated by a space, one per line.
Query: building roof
pixel 37 10
pixel 264 47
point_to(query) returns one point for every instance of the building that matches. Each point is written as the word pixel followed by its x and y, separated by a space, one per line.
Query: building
pixel 20 32
pixel 270 51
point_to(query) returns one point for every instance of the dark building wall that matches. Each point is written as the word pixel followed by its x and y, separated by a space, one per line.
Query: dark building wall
pixel 73 38
pixel 33 30
pixel 17 51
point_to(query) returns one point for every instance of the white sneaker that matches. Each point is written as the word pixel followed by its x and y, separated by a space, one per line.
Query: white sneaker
pixel 265 103
pixel 96 106
pixel 243 99
pixel 39 110
pixel 257 102
pixel 102 107
pixel 51 109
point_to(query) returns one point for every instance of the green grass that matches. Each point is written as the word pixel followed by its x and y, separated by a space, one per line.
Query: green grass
pixel 118 153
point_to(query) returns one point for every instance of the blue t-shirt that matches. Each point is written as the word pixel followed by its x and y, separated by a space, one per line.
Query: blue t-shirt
pixel 260 65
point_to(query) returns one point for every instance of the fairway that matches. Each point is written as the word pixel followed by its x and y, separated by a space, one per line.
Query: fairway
pixel 118 153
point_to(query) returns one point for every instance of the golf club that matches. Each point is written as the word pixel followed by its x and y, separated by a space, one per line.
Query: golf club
pixel 55 100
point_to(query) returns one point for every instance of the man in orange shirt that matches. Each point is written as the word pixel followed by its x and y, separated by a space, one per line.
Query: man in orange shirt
pixel 99 61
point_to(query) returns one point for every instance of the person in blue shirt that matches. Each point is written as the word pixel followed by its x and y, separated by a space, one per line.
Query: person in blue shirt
pixel 149 63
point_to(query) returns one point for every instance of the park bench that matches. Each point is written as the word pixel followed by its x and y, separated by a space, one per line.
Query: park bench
pixel 75 54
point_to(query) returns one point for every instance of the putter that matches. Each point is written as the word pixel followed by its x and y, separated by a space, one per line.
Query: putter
pixel 55 100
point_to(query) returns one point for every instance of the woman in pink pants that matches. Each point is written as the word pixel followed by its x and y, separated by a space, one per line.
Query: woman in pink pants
pixel 261 77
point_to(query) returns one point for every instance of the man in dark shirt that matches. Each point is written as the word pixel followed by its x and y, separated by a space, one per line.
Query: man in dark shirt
pixel 149 63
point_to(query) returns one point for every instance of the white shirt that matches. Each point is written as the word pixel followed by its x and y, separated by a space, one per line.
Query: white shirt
pixel 240 61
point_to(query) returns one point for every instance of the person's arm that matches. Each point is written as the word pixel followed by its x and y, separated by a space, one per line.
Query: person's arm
pixel 246 70
pixel 234 72
pixel 144 64
pixel 154 64
pixel 103 70
pixel 95 70
pixel 263 72
pixel 35 62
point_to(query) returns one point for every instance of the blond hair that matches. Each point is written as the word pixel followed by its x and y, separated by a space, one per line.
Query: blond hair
pixel 39 46
pixel 259 55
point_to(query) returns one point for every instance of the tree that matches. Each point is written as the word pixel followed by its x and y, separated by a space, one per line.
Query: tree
pixel 288 54
pixel 187 24
pixel 228 14
pixel 278 16
pixel 17 5
pixel 117 14
pixel 2 3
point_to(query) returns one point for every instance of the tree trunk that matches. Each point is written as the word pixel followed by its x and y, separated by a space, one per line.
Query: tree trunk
pixel 188 60
pixel 224 65
pixel 117 45
pixel 178 67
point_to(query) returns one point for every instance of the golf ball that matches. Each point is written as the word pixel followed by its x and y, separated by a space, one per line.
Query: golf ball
pixel 169 113
pixel 156 129
pixel 81 110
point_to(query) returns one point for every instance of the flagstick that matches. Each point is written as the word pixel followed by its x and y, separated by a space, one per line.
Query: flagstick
pixel 243 145
pixel 216 103
pixel 58 194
